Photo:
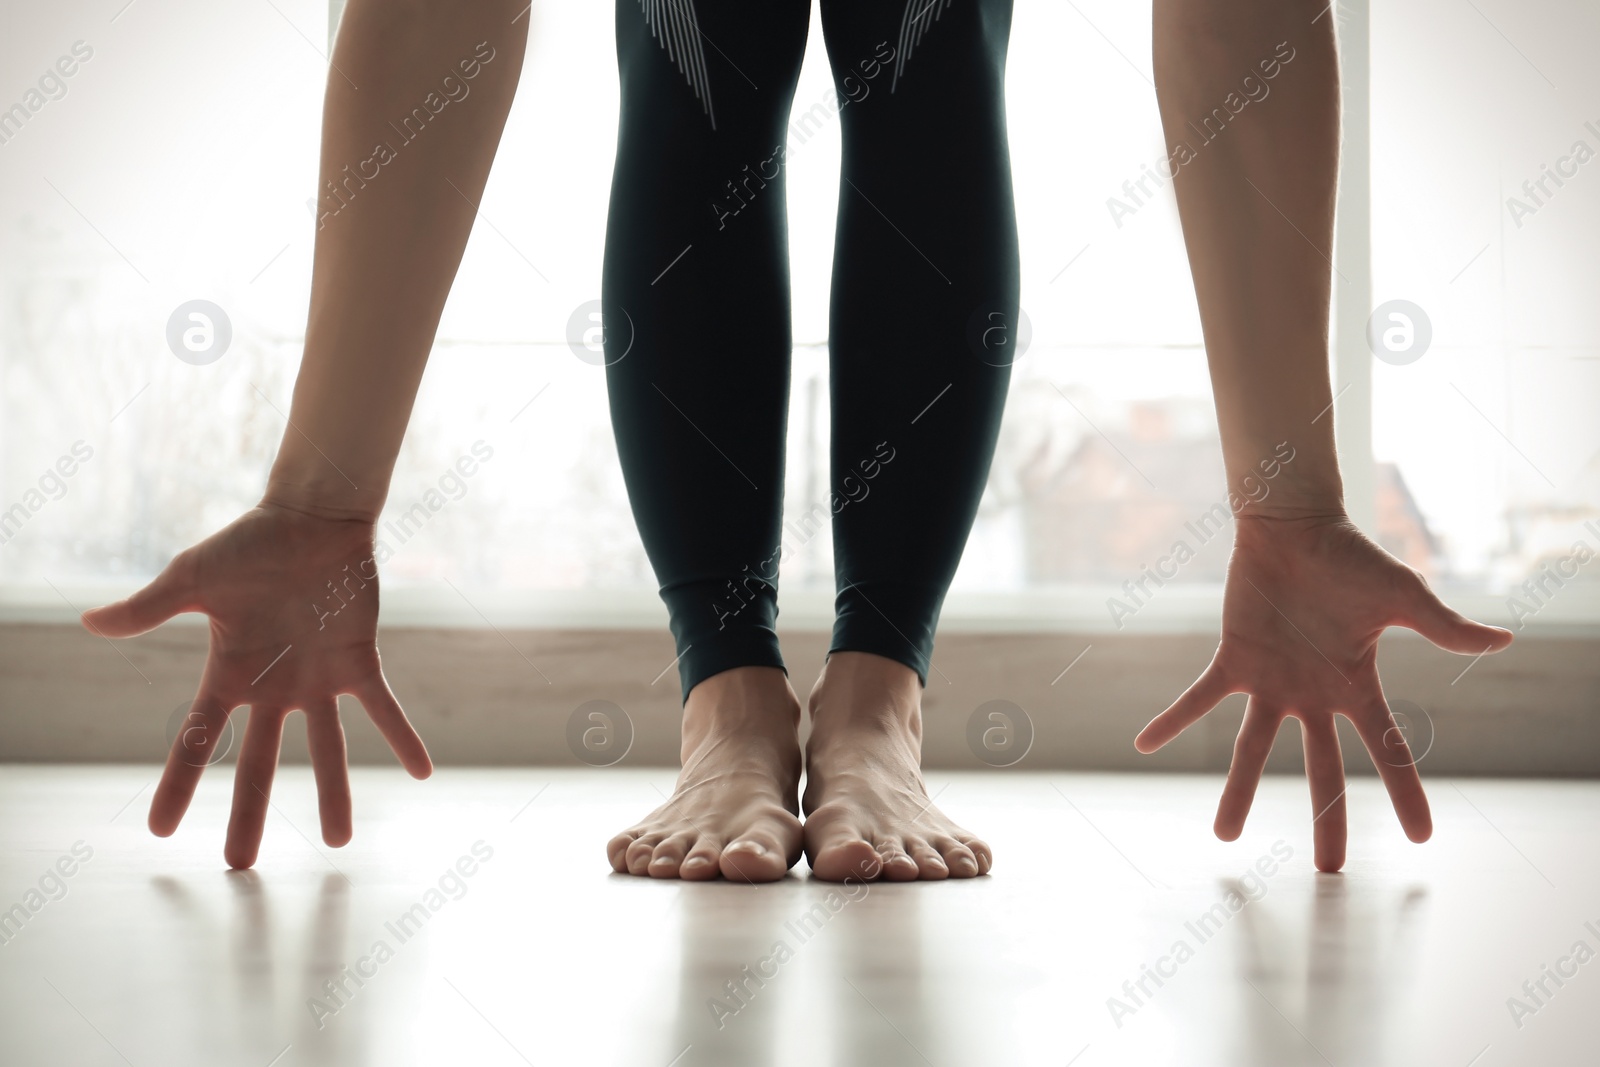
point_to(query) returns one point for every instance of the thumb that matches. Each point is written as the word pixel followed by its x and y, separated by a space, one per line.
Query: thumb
pixel 1448 628
pixel 171 593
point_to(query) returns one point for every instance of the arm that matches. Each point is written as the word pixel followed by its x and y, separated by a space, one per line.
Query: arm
pixel 1307 594
pixel 387 248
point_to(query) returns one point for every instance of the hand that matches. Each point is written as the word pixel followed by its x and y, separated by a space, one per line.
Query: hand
pixel 1305 603
pixel 293 601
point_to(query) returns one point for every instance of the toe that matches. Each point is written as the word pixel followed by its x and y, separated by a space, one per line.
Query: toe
pixel 930 865
pixel 844 855
pixel 667 858
pixel 958 858
pixel 897 866
pixel 753 858
pixel 702 863
pixel 981 853
pixel 638 855
pixel 617 850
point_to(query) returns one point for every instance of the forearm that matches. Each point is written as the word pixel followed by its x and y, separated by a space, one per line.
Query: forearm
pixel 395 207
pixel 1256 198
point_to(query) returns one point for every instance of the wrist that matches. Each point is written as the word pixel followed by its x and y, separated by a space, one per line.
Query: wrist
pixel 324 501
pixel 1310 510
pixel 1275 531
pixel 1288 484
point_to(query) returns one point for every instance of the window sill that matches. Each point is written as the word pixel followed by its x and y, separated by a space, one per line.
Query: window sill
pixel 1066 609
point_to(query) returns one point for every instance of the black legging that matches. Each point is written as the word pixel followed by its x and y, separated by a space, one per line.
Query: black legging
pixel 696 307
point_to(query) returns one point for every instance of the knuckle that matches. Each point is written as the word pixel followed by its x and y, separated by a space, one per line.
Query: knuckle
pixel 1416 583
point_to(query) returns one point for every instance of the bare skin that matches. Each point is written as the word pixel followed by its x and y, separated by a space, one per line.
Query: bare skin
pixel 1307 595
pixel 386 254
pixel 868 813
pixel 734 809
pixel 258 579
pixel 1305 604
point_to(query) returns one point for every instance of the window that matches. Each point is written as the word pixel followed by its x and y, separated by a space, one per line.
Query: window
pixel 173 169
pixel 1487 445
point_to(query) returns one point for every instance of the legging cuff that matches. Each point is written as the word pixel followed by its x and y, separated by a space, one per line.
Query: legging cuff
pixel 719 625
pixel 889 620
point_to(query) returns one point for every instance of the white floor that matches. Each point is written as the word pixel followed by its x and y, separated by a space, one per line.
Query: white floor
pixel 151 953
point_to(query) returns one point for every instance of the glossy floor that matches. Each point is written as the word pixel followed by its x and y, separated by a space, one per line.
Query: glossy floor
pixel 474 921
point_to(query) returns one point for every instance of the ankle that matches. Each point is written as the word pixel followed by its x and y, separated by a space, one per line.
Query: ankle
pixel 747 702
pixel 860 690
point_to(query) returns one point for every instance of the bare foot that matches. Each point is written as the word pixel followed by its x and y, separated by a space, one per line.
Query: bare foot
pixel 734 810
pixel 868 814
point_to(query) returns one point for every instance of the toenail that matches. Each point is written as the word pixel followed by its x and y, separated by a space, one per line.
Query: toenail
pixel 696 861
pixel 751 846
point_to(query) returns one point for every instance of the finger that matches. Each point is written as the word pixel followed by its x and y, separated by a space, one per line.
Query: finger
pixel 252 785
pixel 201 740
pixel 325 739
pixel 1206 693
pixel 387 715
pixel 1448 628
pixel 1325 771
pixel 1386 744
pixel 1250 751
pixel 171 593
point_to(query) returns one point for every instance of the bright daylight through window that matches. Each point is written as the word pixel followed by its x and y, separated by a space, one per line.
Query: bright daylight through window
pixel 1484 467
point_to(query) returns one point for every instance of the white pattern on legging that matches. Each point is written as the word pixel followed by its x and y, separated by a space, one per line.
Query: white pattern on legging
pixel 673 23
pixel 919 15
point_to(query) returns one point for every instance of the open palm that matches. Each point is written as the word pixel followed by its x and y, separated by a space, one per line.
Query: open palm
pixel 1305 603
pixel 293 603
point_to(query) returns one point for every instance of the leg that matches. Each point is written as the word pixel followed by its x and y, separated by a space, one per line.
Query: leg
pixel 697 314
pixel 925 274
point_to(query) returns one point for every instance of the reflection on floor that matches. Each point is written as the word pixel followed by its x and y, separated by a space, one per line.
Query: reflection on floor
pixel 474 921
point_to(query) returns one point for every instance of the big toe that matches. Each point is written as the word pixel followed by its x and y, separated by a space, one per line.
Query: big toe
pixel 845 856
pixel 752 860
pixel 763 853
